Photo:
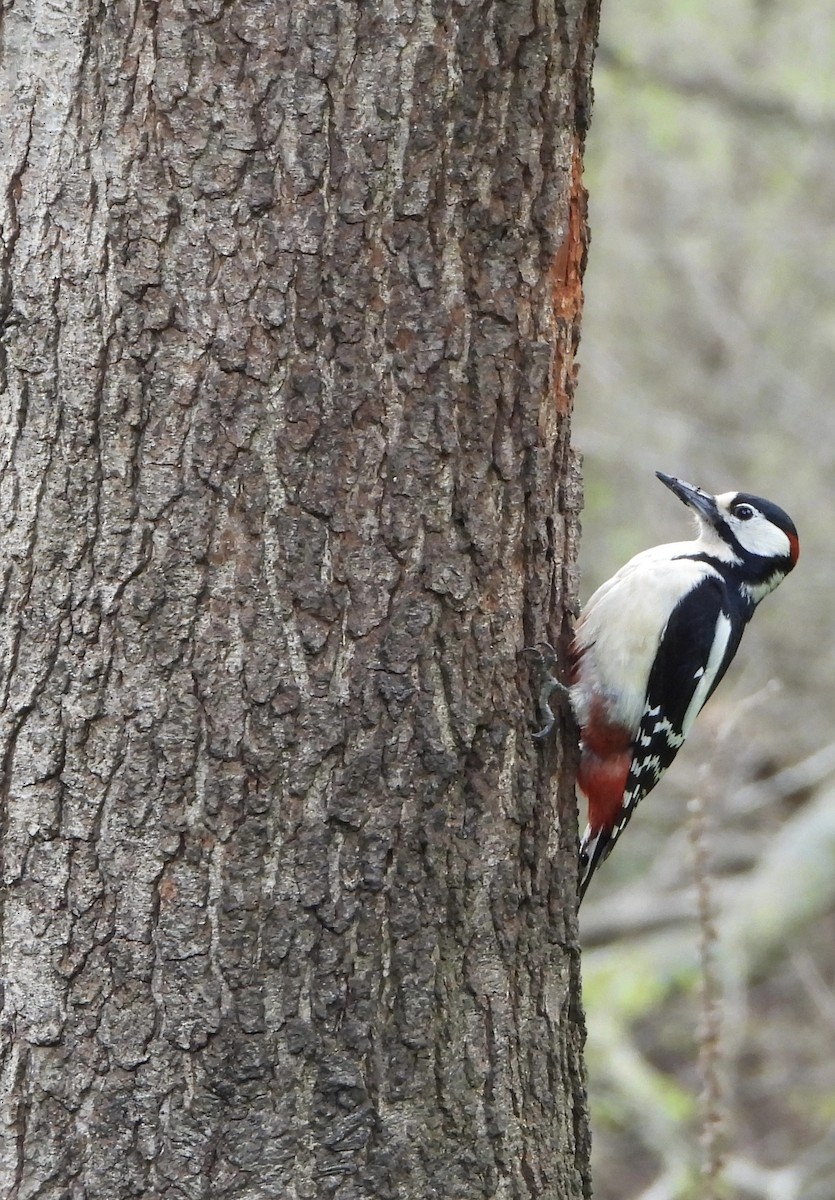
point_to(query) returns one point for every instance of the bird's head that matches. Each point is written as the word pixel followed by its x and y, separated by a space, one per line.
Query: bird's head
pixel 743 530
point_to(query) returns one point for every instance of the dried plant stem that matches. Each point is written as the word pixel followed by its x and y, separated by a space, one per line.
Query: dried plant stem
pixel 712 1114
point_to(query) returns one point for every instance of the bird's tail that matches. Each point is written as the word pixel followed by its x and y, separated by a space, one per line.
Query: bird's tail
pixel 601 778
pixel 594 847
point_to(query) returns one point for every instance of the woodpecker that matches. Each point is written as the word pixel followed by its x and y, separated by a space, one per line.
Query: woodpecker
pixel 652 644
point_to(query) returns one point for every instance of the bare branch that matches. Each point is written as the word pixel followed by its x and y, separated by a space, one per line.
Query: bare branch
pixel 721 91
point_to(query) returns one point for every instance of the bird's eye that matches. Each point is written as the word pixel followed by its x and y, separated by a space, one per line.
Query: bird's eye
pixel 744 512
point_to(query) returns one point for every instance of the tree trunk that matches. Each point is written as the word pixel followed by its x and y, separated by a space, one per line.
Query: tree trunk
pixel 291 296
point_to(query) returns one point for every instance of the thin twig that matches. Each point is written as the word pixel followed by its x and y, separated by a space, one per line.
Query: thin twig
pixel 709 1034
pixel 723 91
pixel 796 778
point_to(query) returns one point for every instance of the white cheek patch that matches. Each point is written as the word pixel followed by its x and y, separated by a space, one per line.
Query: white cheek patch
pixel 759 536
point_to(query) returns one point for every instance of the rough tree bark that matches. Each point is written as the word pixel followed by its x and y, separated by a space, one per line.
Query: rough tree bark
pixel 290 298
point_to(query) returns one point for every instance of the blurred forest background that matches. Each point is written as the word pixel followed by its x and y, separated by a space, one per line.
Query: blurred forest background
pixel 708 351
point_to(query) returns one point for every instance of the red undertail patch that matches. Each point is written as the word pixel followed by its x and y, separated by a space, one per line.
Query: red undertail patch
pixel 604 767
pixel 602 781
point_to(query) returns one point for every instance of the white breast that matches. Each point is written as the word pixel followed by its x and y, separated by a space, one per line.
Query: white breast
pixel 620 629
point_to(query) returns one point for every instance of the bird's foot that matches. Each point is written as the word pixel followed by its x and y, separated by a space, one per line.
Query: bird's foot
pixel 547 661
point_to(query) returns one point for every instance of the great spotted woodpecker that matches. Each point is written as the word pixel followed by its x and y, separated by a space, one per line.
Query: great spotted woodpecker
pixel 652 644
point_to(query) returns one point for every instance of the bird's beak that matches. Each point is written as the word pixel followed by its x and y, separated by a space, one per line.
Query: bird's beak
pixel 701 503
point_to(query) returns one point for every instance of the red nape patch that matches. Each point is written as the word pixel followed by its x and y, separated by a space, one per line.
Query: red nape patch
pixel 602 781
pixel 794 547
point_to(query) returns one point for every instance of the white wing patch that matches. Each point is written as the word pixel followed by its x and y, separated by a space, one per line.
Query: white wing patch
pixel 707 675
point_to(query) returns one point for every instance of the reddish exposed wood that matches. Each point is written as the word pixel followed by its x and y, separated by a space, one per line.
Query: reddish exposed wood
pixel 567 279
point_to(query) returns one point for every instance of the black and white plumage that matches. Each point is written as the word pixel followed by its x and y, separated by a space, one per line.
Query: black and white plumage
pixel 653 643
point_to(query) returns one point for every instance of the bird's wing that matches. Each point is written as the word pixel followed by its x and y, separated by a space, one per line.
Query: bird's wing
pixel 698 643
pixel 697 646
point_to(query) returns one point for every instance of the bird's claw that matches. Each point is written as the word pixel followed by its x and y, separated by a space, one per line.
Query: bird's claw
pixel 547 656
